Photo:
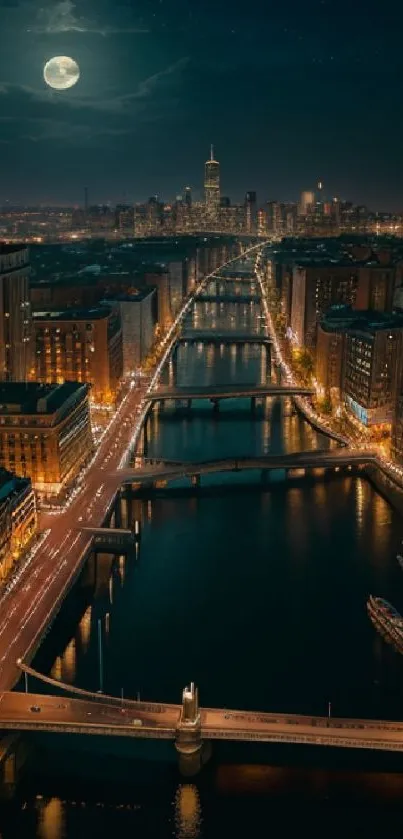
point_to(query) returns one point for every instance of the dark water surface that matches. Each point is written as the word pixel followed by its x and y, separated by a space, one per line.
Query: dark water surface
pixel 259 596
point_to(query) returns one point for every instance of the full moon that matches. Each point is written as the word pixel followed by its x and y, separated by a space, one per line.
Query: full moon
pixel 61 72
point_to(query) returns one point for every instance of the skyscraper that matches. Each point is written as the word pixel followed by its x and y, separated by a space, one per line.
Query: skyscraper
pixel 15 313
pixel 188 196
pixel 212 185
pixel 307 203
pixel 250 212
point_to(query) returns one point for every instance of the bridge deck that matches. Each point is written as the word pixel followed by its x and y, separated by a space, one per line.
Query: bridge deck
pixel 228 298
pixel 77 716
pixel 301 460
pixel 228 392
pixel 222 337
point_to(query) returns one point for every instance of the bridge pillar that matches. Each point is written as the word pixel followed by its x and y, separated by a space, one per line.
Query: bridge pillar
pixel 268 361
pixel 216 405
pixel 118 511
pixel 196 481
pixel 253 404
pixel 14 752
pixel 189 405
pixel 193 752
pixel 145 437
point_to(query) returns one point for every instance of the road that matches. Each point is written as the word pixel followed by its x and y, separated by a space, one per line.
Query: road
pixel 26 609
pixel 66 715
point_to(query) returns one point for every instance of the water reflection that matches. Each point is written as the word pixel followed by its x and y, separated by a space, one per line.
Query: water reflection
pixel 64 667
pixel 51 819
pixel 85 628
pixel 187 812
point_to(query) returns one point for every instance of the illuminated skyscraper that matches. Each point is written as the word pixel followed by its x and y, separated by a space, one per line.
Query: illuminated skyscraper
pixel 212 185
pixel 15 313
pixel 307 203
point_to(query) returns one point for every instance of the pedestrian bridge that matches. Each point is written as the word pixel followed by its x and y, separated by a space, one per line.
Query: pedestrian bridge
pixel 187 724
pixel 227 392
pixel 297 464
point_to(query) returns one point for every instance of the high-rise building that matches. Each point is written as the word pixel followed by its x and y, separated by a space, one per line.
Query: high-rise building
pixel 307 203
pixel 18 518
pixel 212 186
pixel 188 197
pixel 15 313
pixel 330 348
pixel 157 276
pixel 250 212
pixel 83 345
pixel 372 368
pixel 138 325
pixel 316 287
pixel 124 218
pixel 45 432
pixel 262 222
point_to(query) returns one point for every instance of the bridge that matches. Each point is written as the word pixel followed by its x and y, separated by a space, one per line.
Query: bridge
pixel 227 336
pixel 218 392
pixel 228 298
pixel 298 464
pixel 189 726
pixel 112 539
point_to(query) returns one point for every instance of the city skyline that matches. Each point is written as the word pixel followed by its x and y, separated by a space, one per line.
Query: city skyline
pixel 286 96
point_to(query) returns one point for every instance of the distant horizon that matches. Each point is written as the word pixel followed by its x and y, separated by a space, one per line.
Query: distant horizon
pixel 197 196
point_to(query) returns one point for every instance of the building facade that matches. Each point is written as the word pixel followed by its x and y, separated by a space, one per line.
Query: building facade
pixel 83 345
pixel 330 349
pixel 45 432
pixel 137 314
pixel 18 519
pixel 315 288
pixel 372 369
pixel 15 313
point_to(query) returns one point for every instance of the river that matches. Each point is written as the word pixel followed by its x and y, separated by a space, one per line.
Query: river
pixel 258 594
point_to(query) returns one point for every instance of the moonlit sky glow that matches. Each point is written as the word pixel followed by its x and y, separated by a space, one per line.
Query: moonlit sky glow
pixel 290 93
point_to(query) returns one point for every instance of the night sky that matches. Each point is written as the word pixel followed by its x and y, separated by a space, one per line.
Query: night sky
pixel 290 92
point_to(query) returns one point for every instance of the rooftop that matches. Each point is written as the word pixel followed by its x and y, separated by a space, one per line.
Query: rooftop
pixel 131 297
pixel 95 313
pixel 35 398
pixel 10 484
pixel 341 318
pixel 6 249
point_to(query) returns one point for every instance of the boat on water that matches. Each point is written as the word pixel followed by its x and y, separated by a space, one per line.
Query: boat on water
pixel 386 621
pixel 400 560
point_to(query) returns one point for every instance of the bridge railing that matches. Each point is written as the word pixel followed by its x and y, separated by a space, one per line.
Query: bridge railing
pixel 92 695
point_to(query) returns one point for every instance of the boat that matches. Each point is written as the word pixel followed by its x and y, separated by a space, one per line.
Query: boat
pixel 400 560
pixel 386 621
